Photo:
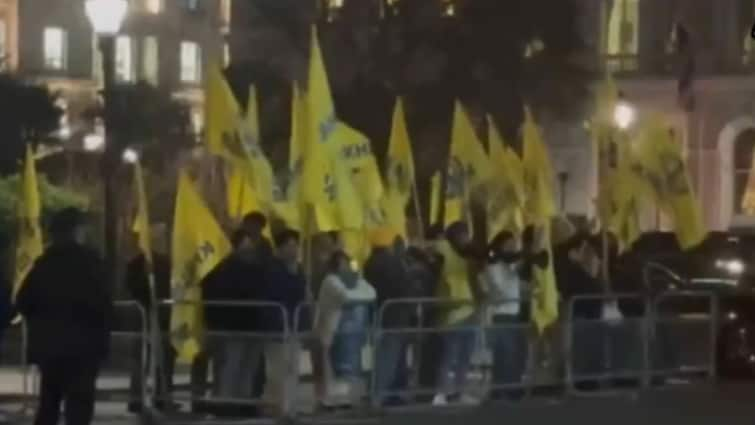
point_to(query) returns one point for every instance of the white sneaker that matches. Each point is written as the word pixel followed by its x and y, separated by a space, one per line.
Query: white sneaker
pixel 440 400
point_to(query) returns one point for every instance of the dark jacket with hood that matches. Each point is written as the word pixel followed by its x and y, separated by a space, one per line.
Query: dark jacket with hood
pixel 389 275
pixel 67 305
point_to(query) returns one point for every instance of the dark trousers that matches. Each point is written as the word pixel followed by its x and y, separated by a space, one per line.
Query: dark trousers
pixel 391 369
pixel 508 339
pixel 71 383
pixel 141 368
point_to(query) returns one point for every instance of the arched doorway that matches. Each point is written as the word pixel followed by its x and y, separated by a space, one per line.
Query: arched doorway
pixel 736 145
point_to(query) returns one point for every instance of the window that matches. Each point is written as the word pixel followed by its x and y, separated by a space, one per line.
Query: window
pixel 97 62
pixel 743 164
pixel 153 6
pixel 55 40
pixel 124 59
pixel 192 5
pixel 150 60
pixel 191 62
pixel 225 12
pixel 621 39
pixel 226 54
pixel 3 44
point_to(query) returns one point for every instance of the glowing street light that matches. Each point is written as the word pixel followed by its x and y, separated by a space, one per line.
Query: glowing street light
pixel 106 16
pixel 624 115
pixel 130 156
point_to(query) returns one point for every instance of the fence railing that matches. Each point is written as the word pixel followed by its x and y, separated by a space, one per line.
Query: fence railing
pixel 407 351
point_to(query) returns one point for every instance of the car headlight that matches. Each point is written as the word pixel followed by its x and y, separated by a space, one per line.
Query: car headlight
pixel 733 267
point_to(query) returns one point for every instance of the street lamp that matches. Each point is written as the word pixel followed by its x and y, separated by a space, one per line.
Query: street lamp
pixel 106 17
pixel 624 115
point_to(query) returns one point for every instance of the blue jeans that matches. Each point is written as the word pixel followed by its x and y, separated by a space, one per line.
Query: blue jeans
pixel 458 346
pixel 391 369
pixel 508 341
pixel 346 352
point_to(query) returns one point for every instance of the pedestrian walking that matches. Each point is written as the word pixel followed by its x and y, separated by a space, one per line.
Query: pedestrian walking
pixel 68 307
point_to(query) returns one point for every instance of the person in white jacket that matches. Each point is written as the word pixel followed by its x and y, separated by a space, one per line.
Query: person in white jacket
pixel 341 323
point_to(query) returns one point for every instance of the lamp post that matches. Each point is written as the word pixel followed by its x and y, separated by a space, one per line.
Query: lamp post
pixel 106 17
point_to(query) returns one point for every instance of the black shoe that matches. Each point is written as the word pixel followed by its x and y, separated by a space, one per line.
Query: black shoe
pixel 135 407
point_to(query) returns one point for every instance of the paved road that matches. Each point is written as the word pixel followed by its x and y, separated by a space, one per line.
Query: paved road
pixel 724 404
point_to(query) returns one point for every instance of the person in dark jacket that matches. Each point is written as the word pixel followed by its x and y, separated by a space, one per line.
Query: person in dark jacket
pixel 137 282
pixel 238 278
pixel 6 310
pixel 68 307
pixel 388 273
pixel 426 265
pixel 286 286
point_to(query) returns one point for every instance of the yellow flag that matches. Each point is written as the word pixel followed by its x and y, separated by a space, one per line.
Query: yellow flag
pixel 287 203
pixel 141 222
pixel 327 181
pixel 451 197
pixel 468 162
pixel 29 244
pixel 355 152
pixel 660 163
pixel 506 195
pixel 540 205
pixel 545 295
pixel 236 137
pixel 241 196
pixel 198 245
pixel 400 160
pixel 394 211
pixel 620 204
pixel 540 208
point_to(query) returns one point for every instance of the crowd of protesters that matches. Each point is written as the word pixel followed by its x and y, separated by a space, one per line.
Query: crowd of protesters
pixel 69 326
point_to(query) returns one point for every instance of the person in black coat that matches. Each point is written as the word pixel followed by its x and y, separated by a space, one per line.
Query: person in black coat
pixel 137 282
pixel 237 279
pixel 387 271
pixel 68 308
pixel 286 286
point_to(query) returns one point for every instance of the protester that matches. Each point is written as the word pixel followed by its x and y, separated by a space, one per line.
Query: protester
pixel 237 278
pixel 68 308
pixel 285 285
pixel 505 290
pixel 459 318
pixel 387 270
pixel 577 274
pixel 138 283
pixel 254 225
pixel 341 319
pixel 426 265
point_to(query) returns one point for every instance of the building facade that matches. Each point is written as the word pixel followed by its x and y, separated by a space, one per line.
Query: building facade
pixel 163 42
pixel 636 40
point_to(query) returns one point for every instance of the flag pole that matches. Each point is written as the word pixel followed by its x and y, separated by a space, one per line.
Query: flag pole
pixel 418 209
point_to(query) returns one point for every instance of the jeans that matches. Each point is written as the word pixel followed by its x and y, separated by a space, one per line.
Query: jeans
pixel 510 350
pixel 239 368
pixel 346 351
pixel 391 367
pixel 458 346
pixel 71 382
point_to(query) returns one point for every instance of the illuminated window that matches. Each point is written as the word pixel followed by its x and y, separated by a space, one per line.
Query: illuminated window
pixel 225 12
pixel 622 37
pixel 154 6
pixel 56 43
pixel 151 60
pixel 191 62
pixel 744 147
pixel 449 8
pixel 3 44
pixel 226 54
pixel 124 59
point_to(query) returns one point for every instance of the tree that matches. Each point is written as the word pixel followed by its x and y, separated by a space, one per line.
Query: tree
pixel 494 55
pixel 28 114
pixel 149 119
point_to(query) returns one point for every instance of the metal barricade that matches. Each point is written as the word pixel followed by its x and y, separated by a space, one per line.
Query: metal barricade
pixel 424 351
pixel 684 335
pixel 336 365
pixel 606 349
pixel 225 380
pixel 117 388
pixel 18 380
